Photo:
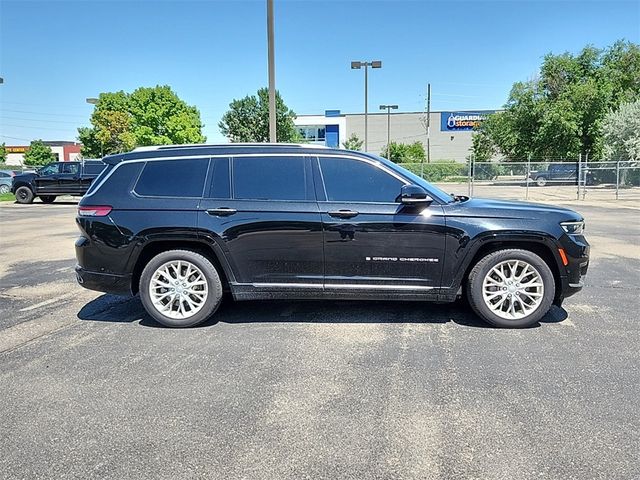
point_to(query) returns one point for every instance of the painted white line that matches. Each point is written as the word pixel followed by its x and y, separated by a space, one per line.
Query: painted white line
pixel 45 303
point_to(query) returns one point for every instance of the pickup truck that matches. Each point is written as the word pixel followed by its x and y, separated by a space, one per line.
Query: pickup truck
pixel 54 179
pixel 559 173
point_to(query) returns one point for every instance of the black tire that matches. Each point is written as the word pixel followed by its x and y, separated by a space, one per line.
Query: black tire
pixel 214 286
pixel 482 268
pixel 24 195
pixel 47 198
pixel 541 181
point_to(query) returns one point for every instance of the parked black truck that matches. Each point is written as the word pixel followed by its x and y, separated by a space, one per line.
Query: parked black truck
pixel 55 179
pixel 181 225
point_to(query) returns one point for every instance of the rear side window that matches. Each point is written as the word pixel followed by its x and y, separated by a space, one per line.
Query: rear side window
pixel 93 168
pixel 173 178
pixel 347 180
pixel 271 178
pixel 70 168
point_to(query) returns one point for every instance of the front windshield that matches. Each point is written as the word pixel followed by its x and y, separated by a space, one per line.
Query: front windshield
pixel 429 187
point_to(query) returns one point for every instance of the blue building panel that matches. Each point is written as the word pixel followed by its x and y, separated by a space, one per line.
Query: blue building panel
pixel 332 136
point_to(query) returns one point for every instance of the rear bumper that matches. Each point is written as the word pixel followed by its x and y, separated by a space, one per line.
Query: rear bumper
pixel 104 282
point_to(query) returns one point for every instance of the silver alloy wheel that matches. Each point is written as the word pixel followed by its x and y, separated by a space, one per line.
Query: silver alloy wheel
pixel 4 189
pixel 178 289
pixel 513 289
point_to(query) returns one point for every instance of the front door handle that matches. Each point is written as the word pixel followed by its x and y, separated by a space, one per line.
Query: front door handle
pixel 221 212
pixel 343 213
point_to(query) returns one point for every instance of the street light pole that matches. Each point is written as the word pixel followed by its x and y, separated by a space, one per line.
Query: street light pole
pixel 272 73
pixel 388 108
pixel 94 101
pixel 358 66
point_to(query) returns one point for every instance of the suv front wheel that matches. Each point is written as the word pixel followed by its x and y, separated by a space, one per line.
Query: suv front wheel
pixel 511 288
pixel 180 288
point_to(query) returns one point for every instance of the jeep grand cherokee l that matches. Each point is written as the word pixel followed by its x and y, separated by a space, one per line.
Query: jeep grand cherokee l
pixel 180 225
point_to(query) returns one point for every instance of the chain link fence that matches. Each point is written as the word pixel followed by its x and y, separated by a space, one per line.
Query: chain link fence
pixel 536 180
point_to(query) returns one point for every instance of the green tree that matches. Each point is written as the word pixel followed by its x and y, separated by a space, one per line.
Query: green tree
pixel 148 116
pixel 559 115
pixel 3 153
pixel 622 132
pixel 39 154
pixel 247 119
pixel 404 153
pixel 353 142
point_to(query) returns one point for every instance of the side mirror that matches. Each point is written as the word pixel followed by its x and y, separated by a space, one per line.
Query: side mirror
pixel 413 195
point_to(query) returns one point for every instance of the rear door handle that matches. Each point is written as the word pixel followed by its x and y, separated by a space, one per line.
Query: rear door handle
pixel 343 213
pixel 221 212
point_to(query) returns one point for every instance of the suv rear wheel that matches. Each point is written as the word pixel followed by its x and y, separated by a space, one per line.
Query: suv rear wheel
pixel 511 288
pixel 24 195
pixel 180 288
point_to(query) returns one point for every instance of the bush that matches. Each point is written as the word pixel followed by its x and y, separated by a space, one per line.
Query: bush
pixel 437 171
pixel 404 153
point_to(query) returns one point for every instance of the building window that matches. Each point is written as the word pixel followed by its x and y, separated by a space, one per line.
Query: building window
pixel 312 133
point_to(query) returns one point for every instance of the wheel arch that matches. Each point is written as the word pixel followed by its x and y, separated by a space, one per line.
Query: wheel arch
pixel 153 248
pixel 541 247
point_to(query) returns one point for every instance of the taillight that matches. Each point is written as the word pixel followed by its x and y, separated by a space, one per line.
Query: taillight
pixel 94 210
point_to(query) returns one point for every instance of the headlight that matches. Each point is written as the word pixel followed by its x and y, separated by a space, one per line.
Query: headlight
pixel 573 228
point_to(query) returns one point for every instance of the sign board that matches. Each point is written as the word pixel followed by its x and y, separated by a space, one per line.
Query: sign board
pixel 460 121
pixel 21 149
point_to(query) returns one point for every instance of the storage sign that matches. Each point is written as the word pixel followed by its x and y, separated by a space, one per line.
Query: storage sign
pixel 452 121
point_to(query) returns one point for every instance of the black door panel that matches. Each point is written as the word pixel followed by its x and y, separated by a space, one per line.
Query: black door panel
pixel 389 244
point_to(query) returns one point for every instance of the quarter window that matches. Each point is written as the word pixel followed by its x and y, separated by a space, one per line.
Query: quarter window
pixel 270 178
pixel 173 178
pixel 347 180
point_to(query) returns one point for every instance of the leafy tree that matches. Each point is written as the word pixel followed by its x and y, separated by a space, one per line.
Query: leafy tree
pixel 3 153
pixel 148 116
pixel 404 153
pixel 39 154
pixel 247 119
pixel 353 143
pixel 559 115
pixel 622 132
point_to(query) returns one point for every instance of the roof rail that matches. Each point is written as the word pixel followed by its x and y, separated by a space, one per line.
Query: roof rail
pixel 151 148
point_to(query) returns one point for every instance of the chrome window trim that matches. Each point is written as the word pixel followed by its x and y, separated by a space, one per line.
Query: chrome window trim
pixel 373 162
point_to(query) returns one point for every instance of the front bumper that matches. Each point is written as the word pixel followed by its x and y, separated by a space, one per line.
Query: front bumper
pixel 104 282
pixel 577 250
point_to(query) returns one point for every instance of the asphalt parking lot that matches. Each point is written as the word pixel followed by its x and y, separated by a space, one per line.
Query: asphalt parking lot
pixel 93 388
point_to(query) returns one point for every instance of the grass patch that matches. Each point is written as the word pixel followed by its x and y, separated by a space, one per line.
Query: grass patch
pixel 7 197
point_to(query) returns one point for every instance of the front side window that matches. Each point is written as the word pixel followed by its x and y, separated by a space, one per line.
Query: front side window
pixel 270 178
pixel 50 169
pixel 348 180
pixel 173 178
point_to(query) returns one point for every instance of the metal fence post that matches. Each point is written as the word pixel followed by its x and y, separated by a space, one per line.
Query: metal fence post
pixel 469 173
pixel 585 170
pixel 617 178
pixel 579 175
pixel 528 175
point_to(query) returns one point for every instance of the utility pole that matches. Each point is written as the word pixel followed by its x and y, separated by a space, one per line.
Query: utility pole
pixel 272 73
pixel 428 123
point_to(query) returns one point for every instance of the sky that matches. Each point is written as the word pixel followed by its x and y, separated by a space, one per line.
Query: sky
pixel 55 54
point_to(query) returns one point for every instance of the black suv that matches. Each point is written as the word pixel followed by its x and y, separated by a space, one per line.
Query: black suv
pixel 54 179
pixel 180 225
